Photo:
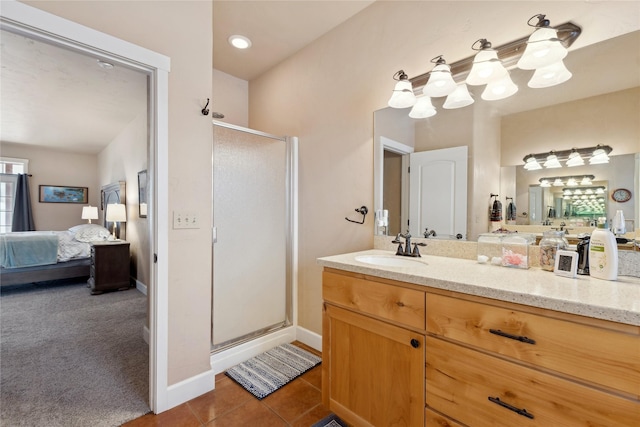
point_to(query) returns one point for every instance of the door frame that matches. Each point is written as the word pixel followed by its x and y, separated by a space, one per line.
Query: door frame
pixel 35 23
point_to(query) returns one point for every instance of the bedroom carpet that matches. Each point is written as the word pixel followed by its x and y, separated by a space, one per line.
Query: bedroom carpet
pixel 68 358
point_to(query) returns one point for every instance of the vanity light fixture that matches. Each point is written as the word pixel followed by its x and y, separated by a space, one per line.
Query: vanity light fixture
pixel 499 89
pixel 573 157
pixel 545 183
pixel 558 182
pixel 572 180
pixel 486 66
pixel 440 82
pixel 423 108
pixel 402 96
pixel 543 46
pixel 550 75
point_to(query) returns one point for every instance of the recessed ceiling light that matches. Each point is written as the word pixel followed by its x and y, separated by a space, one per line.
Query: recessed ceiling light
pixel 241 42
pixel 105 65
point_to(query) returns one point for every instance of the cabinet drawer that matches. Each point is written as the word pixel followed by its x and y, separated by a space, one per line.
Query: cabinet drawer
pixel 395 303
pixel 433 419
pixel 594 354
pixel 461 382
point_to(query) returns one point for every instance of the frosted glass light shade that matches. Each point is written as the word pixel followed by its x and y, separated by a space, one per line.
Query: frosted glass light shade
pixel 89 212
pixel 599 157
pixel 575 159
pixel 486 68
pixel 532 164
pixel 543 48
pixel 440 82
pixel 571 182
pixel 545 183
pixel 423 108
pixel 558 183
pixel 116 212
pixel 403 96
pixel 550 75
pixel 552 162
pixel 458 98
pixel 499 89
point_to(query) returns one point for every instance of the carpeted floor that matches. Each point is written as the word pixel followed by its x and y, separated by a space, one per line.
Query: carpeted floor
pixel 68 358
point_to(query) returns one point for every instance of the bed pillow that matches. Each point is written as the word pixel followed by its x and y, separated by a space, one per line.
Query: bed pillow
pixel 90 233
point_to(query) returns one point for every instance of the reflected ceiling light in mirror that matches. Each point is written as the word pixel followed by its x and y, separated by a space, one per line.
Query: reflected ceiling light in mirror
pixel 441 81
pixel 499 89
pixel 567 192
pixel 458 98
pixel 402 96
pixel 575 159
pixel 558 183
pixel 545 183
pixel 599 156
pixel 571 182
pixel 422 109
pixel 550 75
pixel 552 161
pixel 600 190
pixel 543 46
pixel 577 192
pixel 486 67
pixel 531 163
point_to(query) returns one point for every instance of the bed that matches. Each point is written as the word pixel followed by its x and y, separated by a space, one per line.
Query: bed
pixel 36 256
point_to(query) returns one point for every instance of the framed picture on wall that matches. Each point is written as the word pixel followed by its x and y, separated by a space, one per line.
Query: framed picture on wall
pixel 142 193
pixel 61 194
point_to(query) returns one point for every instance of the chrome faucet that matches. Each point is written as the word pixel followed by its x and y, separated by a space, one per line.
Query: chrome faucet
pixel 428 233
pixel 406 251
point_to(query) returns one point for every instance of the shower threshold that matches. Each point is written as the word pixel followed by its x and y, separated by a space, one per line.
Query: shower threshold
pixel 217 348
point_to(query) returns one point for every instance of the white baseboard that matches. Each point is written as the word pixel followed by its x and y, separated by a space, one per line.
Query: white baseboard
pixel 309 338
pixel 140 286
pixel 222 361
pixel 190 388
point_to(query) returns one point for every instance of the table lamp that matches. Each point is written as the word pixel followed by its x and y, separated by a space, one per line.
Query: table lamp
pixel 89 213
pixel 116 213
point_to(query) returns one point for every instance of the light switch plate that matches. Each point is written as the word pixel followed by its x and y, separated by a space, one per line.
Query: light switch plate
pixel 185 219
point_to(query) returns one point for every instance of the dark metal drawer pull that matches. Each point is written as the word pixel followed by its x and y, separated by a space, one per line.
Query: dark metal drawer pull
pixel 513 337
pixel 518 411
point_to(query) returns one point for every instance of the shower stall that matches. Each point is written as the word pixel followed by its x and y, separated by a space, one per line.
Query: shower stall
pixel 254 241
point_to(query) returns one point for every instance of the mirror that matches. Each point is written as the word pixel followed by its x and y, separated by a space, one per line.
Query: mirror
pixel 585 111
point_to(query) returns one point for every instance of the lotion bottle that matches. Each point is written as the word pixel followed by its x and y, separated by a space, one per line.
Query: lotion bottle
pixel 603 254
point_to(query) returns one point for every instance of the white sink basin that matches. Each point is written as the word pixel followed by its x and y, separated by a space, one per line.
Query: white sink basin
pixel 389 260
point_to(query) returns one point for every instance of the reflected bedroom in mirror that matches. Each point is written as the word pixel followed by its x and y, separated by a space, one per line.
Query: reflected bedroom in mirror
pixel 583 134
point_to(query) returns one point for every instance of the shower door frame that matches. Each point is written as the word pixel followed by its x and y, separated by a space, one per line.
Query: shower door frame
pixel 291 236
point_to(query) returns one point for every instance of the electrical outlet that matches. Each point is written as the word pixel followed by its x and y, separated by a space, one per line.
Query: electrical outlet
pixel 185 219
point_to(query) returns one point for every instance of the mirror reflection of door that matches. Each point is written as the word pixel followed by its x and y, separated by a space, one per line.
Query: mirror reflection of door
pixel 438 192
pixel 392 191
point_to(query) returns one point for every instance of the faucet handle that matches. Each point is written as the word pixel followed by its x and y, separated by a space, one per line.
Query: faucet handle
pixel 416 251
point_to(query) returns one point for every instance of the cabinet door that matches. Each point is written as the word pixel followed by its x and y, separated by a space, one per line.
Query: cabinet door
pixel 374 370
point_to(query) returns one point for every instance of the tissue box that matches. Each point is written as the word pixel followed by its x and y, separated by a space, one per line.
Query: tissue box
pixel 515 250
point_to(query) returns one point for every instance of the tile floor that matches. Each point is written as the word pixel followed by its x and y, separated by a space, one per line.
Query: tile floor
pixel 297 404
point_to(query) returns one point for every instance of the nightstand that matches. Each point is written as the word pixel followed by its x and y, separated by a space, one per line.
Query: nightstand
pixel 109 266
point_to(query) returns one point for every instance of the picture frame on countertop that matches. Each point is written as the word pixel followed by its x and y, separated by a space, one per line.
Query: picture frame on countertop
pixel 566 264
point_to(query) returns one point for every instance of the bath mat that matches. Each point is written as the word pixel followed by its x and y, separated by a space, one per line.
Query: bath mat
pixel 330 421
pixel 267 372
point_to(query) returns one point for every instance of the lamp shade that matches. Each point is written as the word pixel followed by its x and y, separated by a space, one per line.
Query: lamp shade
pixel 499 89
pixel 458 98
pixel 550 75
pixel 116 212
pixel 543 48
pixel 89 212
pixel 423 108
pixel 486 68
pixel 440 82
pixel 403 96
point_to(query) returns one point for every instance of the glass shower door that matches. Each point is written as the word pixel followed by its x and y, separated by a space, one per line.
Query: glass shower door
pixel 252 235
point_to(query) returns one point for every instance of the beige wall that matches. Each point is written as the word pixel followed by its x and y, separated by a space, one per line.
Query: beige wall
pixel 231 98
pixel 51 167
pixel 123 158
pixel 327 92
pixel 182 31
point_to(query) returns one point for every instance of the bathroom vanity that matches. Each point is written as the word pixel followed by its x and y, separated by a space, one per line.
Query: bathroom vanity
pixel 450 342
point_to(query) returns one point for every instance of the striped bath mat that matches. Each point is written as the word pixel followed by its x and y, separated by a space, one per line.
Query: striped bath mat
pixel 265 373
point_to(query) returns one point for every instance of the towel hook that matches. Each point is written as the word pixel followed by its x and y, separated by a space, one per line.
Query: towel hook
pixel 361 210
pixel 205 111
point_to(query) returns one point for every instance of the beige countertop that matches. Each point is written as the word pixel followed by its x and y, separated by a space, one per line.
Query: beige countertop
pixel 618 301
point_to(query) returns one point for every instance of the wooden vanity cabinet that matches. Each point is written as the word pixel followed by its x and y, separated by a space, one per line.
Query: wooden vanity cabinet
pixel 485 362
pixel 373 355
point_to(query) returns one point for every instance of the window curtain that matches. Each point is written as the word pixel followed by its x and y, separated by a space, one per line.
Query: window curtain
pixel 22 213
